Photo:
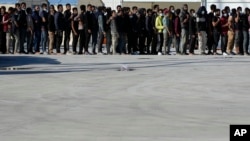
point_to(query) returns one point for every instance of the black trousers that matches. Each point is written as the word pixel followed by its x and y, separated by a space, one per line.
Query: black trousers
pixel 142 39
pixel 66 39
pixel 216 40
pixel 82 40
pixel 210 41
pixel 154 43
pixel 87 40
pixel 75 41
pixel 59 36
pixel 2 41
pixel 192 44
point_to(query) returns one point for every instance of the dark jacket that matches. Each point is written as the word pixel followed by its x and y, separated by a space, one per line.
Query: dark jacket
pixel 67 17
pixel 51 23
pixel 44 14
pixel 59 21
pixel 184 15
pixel 22 19
pixel 192 25
pixel 177 25
pixel 37 20
pixel 120 23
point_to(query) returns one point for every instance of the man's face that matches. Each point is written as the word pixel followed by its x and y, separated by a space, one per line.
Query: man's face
pixel 37 8
pixel 60 9
pixel 185 8
pixel 75 11
pixel 23 6
pixel 68 7
pixel 135 10
pixel 2 11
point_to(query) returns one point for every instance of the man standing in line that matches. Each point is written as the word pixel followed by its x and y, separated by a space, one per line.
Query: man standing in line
pixel 22 26
pixel 184 18
pixel 59 24
pixel 67 31
pixel 44 28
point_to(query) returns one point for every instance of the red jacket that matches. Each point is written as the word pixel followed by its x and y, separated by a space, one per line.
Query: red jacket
pixel 5 22
pixel 223 21
pixel 177 25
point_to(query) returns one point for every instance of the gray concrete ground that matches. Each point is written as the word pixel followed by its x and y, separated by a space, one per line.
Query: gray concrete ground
pixel 86 98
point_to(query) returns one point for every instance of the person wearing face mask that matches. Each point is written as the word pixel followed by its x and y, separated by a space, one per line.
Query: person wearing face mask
pixel 159 27
pixel 171 39
pixel 238 42
pixel 216 30
pixel 184 17
pixel 224 30
pixel 192 31
pixel 202 29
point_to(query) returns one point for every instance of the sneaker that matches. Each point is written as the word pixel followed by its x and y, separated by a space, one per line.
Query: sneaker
pixel 100 53
pixel 45 53
pixel 224 54
pixel 232 53
pixel 74 53
pixel 203 53
pixel 68 53
pixel 159 53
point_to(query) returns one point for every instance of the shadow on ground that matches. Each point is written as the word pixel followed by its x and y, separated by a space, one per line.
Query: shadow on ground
pixel 15 61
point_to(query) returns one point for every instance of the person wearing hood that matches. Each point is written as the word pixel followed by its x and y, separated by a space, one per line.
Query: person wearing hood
pixel 210 39
pixel 159 28
pixel 202 28
pixel 184 19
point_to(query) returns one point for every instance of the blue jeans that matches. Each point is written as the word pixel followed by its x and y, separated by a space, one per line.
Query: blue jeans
pixel 44 39
pixel 37 40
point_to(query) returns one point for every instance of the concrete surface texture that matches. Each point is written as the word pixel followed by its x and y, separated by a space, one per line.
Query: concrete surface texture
pixel 86 98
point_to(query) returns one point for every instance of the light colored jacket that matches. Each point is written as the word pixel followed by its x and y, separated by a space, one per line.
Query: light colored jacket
pixel 159 25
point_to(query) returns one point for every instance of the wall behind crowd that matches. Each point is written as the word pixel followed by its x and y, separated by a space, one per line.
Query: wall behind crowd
pixel 191 5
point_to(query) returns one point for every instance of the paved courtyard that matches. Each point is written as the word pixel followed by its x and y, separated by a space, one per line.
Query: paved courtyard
pixel 87 98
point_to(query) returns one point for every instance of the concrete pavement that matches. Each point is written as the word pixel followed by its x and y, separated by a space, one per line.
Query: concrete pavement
pixel 86 98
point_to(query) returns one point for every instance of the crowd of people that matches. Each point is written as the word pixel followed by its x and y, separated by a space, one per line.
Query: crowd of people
pixel 43 30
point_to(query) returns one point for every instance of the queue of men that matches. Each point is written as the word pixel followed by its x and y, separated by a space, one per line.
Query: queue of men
pixel 44 30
